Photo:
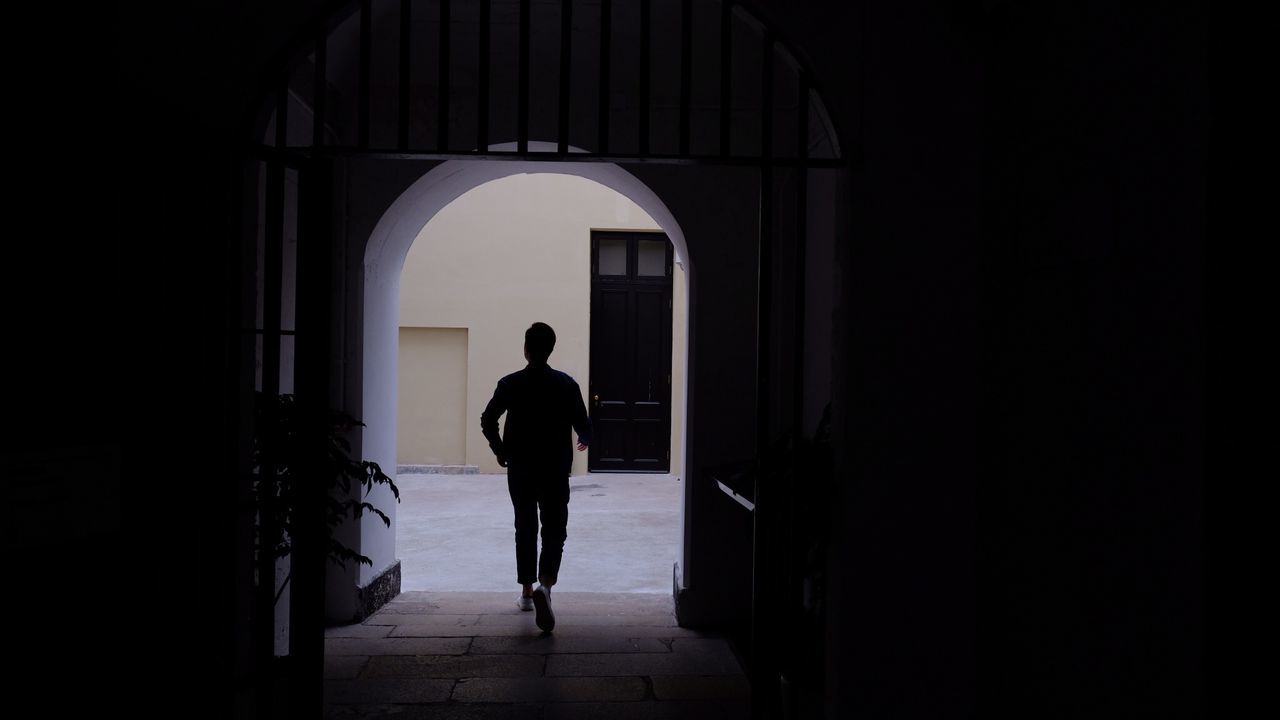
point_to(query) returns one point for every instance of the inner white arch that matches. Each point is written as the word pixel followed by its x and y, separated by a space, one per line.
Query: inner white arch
pixel 384 259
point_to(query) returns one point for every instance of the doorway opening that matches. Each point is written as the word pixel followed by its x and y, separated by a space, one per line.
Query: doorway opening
pixel 508 252
pixel 632 289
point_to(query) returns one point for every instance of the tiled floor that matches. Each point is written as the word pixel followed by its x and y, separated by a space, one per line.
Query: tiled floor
pixel 476 655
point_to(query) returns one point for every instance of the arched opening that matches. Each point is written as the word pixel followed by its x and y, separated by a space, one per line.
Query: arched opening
pixel 387 249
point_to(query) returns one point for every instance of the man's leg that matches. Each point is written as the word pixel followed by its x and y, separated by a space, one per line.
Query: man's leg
pixel 554 501
pixel 524 501
pixel 553 498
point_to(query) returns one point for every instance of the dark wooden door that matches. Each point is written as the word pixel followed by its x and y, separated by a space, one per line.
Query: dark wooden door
pixel 630 389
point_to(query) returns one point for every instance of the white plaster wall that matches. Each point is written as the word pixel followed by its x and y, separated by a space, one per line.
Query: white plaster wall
pixel 508 253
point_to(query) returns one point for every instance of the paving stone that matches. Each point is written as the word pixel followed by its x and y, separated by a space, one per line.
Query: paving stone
pixel 630 631
pixel 610 603
pixel 673 663
pixel 357 631
pixel 408 608
pixel 707 687
pixel 481 602
pixel 387 690
pixel 647 710
pixel 555 643
pixel 711 650
pixel 593 606
pixel 345 667
pixel 412 596
pixel 596 661
pixel 545 689
pixel 362 712
pixel 566 628
pixel 458 602
pixel 454 666
pixel 434 711
pixel 568 617
pixel 610 610
pixel 444 620
pixel 397 646
pixel 484 711
pixel 455 631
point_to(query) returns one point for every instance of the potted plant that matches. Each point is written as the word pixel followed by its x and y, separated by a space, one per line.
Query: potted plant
pixel 286 437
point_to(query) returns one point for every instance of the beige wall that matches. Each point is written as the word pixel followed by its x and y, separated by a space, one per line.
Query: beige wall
pixel 499 258
pixel 433 395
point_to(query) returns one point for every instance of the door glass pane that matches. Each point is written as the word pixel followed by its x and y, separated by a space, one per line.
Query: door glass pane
pixel 651 259
pixel 613 256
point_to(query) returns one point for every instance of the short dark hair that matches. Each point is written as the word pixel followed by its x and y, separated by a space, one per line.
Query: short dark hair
pixel 539 341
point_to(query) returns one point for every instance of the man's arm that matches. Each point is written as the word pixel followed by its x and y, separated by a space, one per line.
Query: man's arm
pixel 498 404
pixel 581 422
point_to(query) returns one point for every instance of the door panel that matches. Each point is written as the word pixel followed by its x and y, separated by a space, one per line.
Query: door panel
pixel 630 389
pixel 609 328
pixel 652 441
pixel 650 362
pixel 609 445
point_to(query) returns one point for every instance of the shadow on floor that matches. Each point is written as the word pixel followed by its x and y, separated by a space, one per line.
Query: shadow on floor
pixel 476 655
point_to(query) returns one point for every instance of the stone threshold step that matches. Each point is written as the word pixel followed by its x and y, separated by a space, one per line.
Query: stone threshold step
pixel 437 470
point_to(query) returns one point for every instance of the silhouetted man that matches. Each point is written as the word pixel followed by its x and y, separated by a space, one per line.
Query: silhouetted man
pixel 541 404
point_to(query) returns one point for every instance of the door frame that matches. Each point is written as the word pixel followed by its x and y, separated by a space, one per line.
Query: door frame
pixel 632 280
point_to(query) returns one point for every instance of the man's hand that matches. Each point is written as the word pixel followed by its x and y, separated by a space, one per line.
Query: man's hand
pixel 581 446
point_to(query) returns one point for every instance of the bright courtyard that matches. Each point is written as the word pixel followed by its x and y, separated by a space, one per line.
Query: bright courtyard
pixel 456 533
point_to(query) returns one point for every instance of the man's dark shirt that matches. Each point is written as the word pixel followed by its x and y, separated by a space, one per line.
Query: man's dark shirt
pixel 541 404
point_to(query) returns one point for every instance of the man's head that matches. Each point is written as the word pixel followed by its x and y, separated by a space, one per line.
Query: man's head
pixel 539 341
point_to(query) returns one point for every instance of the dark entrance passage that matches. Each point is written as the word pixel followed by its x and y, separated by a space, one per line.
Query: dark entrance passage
pixel 630 388
pixel 380 84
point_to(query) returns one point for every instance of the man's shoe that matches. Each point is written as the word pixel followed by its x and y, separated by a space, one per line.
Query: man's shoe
pixel 525 603
pixel 545 619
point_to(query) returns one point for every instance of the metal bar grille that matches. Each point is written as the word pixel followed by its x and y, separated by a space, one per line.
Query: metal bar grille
pixel 406 24
pixel 522 111
pixel 726 74
pixel 366 54
pixel 606 32
pixel 764 302
pixel 766 95
pixel 318 99
pixel 272 271
pixel 443 90
pixel 482 90
pixel 566 66
pixel 268 152
pixel 801 243
pixel 763 516
pixel 646 18
pixel 329 110
pixel 686 72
